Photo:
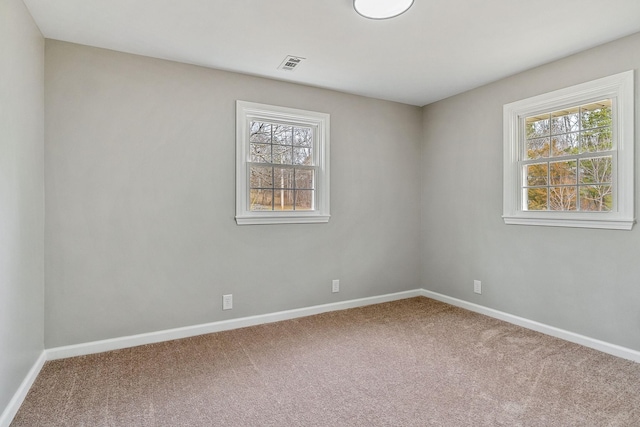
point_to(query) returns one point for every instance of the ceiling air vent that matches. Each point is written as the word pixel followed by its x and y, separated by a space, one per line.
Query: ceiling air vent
pixel 290 63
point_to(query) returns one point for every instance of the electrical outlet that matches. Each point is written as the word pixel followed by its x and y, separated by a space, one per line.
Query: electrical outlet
pixel 227 302
pixel 335 286
pixel 477 286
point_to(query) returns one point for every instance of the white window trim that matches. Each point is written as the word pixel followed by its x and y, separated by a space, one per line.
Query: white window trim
pixel 620 88
pixel 320 122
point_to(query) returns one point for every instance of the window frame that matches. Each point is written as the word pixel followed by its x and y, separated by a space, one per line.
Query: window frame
pixel 620 89
pixel 320 125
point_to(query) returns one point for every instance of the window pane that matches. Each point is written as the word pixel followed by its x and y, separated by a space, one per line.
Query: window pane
pixel 282 154
pixel 283 200
pixel 303 137
pixel 563 173
pixel 261 177
pixel 595 170
pixel 261 200
pixel 282 134
pixel 593 141
pixel 597 114
pixel 565 121
pixel 537 148
pixel 562 198
pixel 596 198
pixel 260 153
pixel 563 145
pixel 537 174
pixel 302 156
pixel 283 178
pixel 537 126
pixel 537 199
pixel 304 200
pixel 304 179
pixel 260 132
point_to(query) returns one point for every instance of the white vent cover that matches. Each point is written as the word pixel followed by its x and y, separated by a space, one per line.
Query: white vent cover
pixel 290 63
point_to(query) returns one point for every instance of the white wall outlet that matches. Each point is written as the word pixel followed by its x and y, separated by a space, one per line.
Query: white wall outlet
pixel 335 286
pixel 227 302
pixel 477 286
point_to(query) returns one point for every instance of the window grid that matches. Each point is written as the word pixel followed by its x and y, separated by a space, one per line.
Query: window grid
pixel 572 193
pixel 295 140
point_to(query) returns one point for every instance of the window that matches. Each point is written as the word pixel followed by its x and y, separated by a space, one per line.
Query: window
pixel 568 156
pixel 282 170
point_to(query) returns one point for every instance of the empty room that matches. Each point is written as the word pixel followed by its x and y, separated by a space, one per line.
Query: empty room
pixel 319 213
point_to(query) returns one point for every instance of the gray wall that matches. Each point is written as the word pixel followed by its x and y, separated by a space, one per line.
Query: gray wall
pixel 581 280
pixel 140 192
pixel 21 196
pixel 140 236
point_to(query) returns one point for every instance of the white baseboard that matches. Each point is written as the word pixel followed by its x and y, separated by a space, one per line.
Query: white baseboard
pixel 14 404
pixel 605 347
pixel 224 325
pixel 135 340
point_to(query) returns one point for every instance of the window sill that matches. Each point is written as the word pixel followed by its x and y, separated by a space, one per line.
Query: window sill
pixel 282 219
pixel 564 221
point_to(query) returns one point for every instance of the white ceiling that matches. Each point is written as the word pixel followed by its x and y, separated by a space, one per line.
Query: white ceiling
pixel 436 49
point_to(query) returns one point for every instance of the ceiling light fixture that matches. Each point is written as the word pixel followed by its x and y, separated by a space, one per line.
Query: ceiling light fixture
pixel 381 9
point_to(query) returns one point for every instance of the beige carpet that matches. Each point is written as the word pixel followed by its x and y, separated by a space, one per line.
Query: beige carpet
pixel 415 362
